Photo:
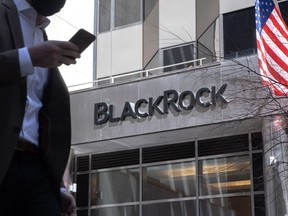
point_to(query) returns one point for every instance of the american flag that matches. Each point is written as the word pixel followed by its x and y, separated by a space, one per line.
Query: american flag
pixel 272 46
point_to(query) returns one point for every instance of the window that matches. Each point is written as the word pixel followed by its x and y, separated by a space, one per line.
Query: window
pixel 284 12
pixel 117 13
pixel 225 175
pixel 83 190
pixel 127 12
pixel 178 54
pixel 116 211
pixel 239 33
pixel 169 181
pixel 236 206
pixel 212 177
pixel 170 208
pixel 116 186
pixel 104 15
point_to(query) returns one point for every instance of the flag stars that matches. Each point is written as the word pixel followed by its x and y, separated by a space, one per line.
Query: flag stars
pixel 263 9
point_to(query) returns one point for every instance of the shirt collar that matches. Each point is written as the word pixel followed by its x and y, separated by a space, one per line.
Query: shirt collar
pixel 25 9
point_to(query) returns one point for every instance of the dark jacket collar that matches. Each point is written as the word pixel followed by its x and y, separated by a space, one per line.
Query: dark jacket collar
pixel 13 19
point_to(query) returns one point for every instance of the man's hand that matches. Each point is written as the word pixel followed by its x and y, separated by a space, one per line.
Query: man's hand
pixel 53 54
pixel 69 204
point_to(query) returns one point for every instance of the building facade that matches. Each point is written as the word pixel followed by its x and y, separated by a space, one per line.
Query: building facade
pixel 178 122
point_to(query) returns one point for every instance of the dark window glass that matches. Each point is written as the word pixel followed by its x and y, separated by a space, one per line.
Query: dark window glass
pixel 239 33
pixel 82 212
pixel 104 15
pixel 170 208
pixel 82 190
pixel 284 10
pixel 178 55
pixel 116 211
pixel 127 12
pixel 256 140
pixel 258 172
pixel 259 205
pixel 236 206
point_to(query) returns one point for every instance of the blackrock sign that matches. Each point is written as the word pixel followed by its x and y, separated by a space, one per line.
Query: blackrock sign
pixel 170 99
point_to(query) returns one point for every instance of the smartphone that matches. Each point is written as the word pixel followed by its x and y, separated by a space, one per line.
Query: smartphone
pixel 82 39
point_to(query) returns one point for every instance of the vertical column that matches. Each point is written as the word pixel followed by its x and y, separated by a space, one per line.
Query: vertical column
pixel 275 156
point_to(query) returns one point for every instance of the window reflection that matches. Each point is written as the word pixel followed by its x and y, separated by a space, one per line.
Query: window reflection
pixel 104 15
pixel 116 211
pixel 127 12
pixel 169 181
pixel 183 208
pixel 203 186
pixel 229 206
pixel 239 33
pixel 117 186
pixel 225 175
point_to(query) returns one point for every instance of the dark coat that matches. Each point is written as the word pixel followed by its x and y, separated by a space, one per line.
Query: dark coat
pixel 55 128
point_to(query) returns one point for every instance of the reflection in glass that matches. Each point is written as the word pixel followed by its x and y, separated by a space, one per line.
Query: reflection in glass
pixel 258 177
pixel 229 206
pixel 117 186
pixel 239 33
pixel 225 175
pixel 82 212
pixel 104 15
pixel 179 54
pixel 183 208
pixel 82 190
pixel 116 211
pixel 169 181
pixel 127 12
pixel 259 205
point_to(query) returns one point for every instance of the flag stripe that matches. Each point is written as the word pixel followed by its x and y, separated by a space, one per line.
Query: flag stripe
pixel 272 47
pixel 266 75
pixel 274 59
pixel 268 59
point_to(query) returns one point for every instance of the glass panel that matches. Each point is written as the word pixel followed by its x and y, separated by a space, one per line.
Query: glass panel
pixel 104 15
pixel 82 190
pixel 224 175
pixel 117 186
pixel 259 205
pixel 127 12
pixel 169 181
pixel 82 212
pixel 116 211
pixel 230 206
pixel 183 208
pixel 258 172
pixel 177 55
pixel 239 33
pixel 283 8
pixel 257 142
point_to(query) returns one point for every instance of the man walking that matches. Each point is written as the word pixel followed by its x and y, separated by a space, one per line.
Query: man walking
pixel 34 111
